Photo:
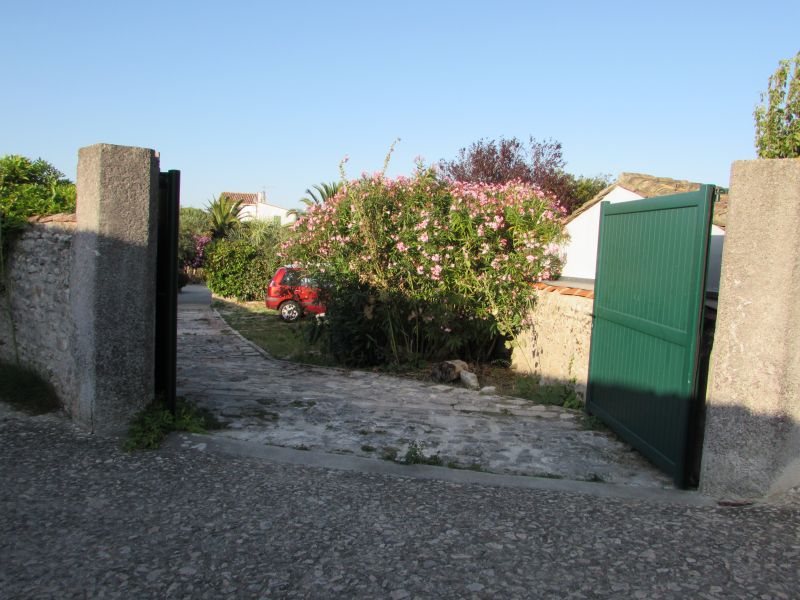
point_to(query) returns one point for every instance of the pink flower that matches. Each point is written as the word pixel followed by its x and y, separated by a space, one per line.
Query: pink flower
pixel 402 247
pixel 423 238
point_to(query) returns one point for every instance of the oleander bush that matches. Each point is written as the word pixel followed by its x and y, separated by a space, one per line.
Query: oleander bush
pixel 423 267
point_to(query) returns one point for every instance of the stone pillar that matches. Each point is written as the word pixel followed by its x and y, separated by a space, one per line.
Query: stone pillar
pixel 113 284
pixel 752 435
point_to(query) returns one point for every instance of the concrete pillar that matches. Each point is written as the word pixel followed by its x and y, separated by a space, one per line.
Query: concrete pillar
pixel 113 284
pixel 752 436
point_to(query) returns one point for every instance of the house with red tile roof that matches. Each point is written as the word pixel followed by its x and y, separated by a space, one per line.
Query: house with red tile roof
pixel 255 206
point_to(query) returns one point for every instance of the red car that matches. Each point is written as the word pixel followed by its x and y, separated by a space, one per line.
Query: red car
pixel 292 294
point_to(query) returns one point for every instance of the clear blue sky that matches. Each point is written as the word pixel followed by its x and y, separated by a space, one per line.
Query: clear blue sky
pixel 245 96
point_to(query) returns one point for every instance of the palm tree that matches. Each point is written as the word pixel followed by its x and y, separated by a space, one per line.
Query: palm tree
pixel 223 215
pixel 319 195
pixel 323 193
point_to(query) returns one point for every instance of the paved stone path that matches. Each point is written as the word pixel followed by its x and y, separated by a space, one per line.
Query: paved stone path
pixel 81 519
pixel 366 414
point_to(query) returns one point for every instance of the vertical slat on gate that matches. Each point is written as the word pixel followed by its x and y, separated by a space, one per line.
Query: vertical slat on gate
pixel 167 287
pixel 648 309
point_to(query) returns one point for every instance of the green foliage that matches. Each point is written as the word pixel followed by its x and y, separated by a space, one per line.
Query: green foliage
pixel 778 117
pixel 149 428
pixel 31 188
pixel 415 456
pixel 262 233
pixel 25 389
pixel 223 216
pixel 321 193
pixel 192 223
pixel 241 265
pixel 238 269
pixel 422 268
pixel 583 189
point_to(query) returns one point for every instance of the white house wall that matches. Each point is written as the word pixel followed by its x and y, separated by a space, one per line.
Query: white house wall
pixel 581 250
pixel 268 212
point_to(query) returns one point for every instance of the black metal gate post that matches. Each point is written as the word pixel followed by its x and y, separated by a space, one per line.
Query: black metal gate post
pixel 169 185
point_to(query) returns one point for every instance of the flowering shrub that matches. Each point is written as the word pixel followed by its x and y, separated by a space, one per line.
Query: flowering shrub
pixel 442 267
pixel 199 258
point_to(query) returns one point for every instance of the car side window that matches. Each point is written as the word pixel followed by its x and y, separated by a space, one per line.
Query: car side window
pixel 290 278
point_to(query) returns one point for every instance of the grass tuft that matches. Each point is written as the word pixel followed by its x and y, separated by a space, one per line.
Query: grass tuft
pixel 150 426
pixel 415 456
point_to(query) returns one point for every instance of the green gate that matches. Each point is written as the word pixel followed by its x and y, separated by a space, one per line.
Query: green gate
pixel 647 321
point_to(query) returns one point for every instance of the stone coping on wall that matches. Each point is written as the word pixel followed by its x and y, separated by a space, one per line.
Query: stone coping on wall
pixel 69 220
pixel 564 290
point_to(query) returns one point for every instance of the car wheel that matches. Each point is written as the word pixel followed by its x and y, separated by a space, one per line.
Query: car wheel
pixel 290 311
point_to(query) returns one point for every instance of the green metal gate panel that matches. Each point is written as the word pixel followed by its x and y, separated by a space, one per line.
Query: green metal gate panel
pixel 648 315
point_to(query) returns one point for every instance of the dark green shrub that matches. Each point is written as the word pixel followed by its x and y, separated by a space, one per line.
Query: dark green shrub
pixel 236 268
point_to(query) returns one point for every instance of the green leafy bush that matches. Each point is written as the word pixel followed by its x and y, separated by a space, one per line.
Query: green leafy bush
pixel 241 264
pixel 423 267
pixel 778 116
pixel 192 224
pixel 31 188
pixel 238 269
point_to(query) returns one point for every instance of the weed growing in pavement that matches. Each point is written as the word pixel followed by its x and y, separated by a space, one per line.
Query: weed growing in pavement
pixel 368 448
pixel 24 389
pixel 415 456
pixel 151 425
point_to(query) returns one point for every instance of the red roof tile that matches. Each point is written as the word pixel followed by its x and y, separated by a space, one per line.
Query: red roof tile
pixel 244 197
pixel 564 291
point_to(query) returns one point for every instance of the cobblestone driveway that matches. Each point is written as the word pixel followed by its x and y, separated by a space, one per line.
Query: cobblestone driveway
pixel 81 519
pixel 373 415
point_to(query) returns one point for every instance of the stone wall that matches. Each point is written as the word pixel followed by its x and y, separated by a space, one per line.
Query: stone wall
pixel 38 271
pixel 752 435
pixel 556 347
pixel 83 292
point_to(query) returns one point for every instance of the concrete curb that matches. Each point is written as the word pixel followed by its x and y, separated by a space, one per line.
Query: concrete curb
pixel 309 458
